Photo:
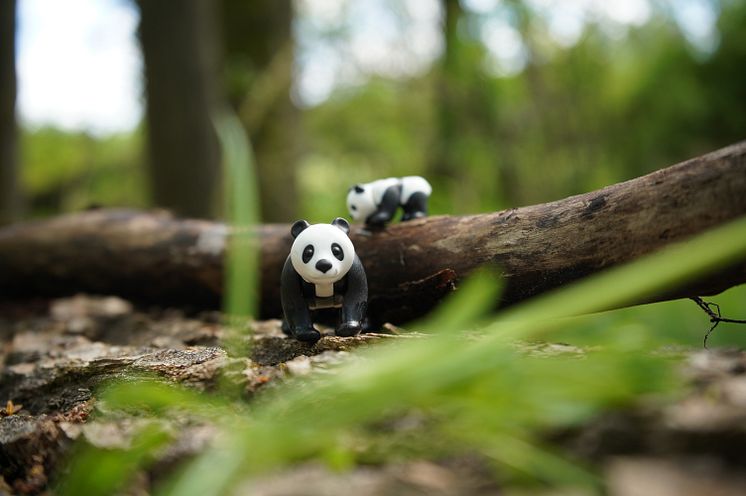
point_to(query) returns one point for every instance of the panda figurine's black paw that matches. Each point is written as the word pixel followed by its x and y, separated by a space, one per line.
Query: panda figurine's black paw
pixel 306 335
pixel 377 220
pixel 347 329
pixel 412 216
pixel 310 335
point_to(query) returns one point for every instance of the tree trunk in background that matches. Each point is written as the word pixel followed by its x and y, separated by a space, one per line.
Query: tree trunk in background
pixel 466 145
pixel 179 44
pixel 259 56
pixel 449 105
pixel 9 195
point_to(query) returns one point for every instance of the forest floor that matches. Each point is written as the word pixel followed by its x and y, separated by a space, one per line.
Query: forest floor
pixel 54 354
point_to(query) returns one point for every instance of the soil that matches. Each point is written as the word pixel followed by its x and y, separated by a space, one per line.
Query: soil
pixel 55 353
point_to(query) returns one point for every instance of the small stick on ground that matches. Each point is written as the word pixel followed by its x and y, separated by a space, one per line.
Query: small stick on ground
pixel 715 316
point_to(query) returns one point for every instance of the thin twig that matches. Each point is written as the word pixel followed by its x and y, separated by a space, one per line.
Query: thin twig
pixel 715 316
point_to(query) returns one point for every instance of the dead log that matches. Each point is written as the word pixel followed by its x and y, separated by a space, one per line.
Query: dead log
pixel 154 257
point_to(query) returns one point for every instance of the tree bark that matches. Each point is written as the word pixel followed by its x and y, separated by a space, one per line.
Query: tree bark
pixel 9 195
pixel 180 52
pixel 410 266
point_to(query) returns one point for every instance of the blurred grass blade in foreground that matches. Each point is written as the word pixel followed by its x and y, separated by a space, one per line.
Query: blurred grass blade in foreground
pixel 634 282
pixel 240 295
pixel 475 299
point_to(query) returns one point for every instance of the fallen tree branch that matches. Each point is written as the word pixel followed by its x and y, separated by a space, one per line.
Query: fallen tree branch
pixel 411 266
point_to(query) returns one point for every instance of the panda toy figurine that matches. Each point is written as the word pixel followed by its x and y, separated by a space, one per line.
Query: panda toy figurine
pixel 376 202
pixel 322 271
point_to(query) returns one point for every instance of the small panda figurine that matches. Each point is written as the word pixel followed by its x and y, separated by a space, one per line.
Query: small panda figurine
pixel 376 202
pixel 322 271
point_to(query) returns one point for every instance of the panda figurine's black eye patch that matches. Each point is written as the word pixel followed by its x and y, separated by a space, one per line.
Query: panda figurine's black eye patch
pixel 338 252
pixel 307 253
pixel 353 207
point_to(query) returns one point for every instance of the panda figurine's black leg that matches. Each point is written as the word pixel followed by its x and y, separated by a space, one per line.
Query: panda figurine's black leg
pixel 387 208
pixel 297 322
pixel 286 328
pixel 416 207
pixel 355 302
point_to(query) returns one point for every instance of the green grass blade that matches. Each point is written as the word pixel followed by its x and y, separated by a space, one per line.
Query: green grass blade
pixel 630 283
pixel 242 214
pixel 473 301
pixel 101 472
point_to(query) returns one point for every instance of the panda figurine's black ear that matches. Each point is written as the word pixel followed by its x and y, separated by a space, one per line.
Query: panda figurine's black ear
pixel 298 227
pixel 358 188
pixel 342 224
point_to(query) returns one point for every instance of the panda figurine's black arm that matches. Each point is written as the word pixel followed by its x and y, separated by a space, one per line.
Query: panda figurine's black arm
pixel 387 208
pixel 354 300
pixel 322 271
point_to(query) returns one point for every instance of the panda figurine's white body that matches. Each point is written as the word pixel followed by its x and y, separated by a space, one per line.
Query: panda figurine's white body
pixel 376 202
pixel 322 271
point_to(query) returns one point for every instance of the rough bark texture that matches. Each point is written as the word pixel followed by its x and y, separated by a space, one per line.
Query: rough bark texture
pixel 410 266
pixel 9 197
pixel 181 65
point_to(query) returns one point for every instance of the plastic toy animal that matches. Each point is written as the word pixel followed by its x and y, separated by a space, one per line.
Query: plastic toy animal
pixel 377 202
pixel 322 271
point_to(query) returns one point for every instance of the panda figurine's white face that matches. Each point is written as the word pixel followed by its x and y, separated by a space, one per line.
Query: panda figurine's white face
pixel 322 253
pixel 361 202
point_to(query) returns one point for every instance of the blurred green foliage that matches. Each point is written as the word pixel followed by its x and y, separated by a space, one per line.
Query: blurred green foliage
pixel 604 109
pixel 66 171
pixel 598 112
